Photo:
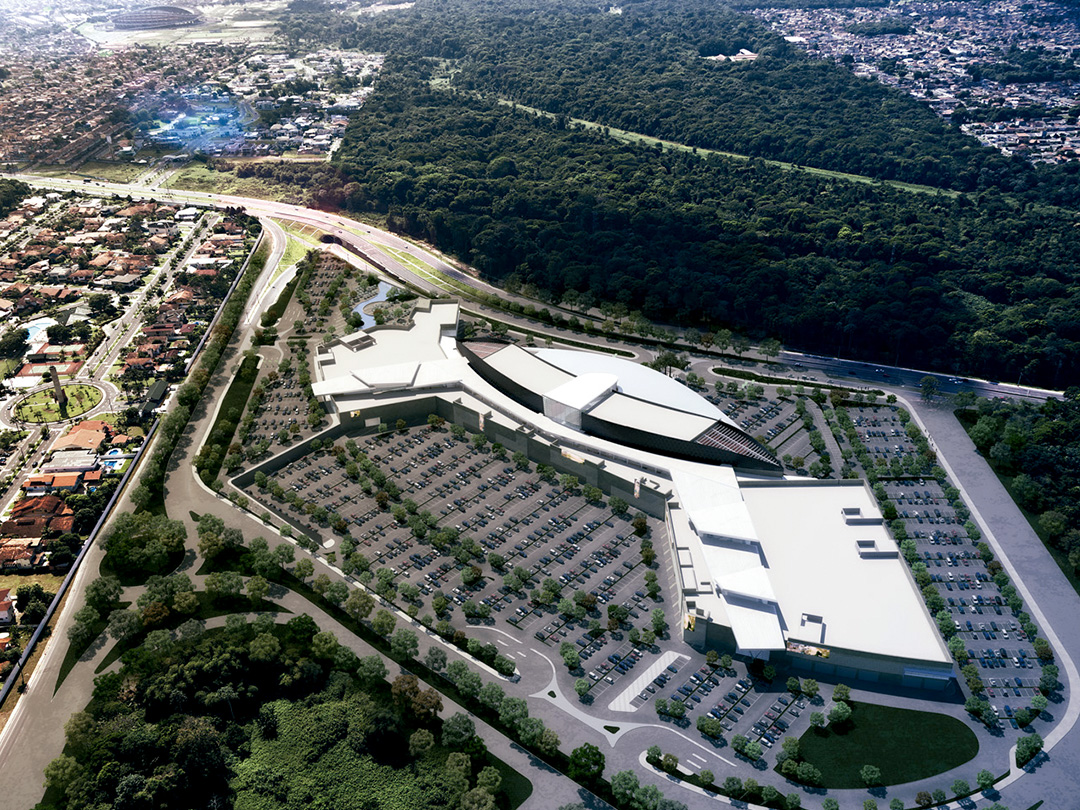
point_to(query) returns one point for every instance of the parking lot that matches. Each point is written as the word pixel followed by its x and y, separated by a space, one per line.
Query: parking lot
pixel 772 419
pixel 472 538
pixel 994 640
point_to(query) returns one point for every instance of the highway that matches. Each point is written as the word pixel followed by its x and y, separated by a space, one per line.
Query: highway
pixel 367 240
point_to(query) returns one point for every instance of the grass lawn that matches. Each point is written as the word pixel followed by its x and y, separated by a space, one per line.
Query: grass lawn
pixel 118 172
pixel 50 582
pixel 42 406
pixel 295 250
pixel 905 744
pixel 74 653
pixel 274 313
pixel 197 177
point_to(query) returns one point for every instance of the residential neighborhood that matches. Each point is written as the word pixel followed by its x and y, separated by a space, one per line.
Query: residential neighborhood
pixel 1006 74
pixel 106 300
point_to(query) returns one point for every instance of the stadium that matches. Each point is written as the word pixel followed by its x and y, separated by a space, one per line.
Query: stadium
pixel 792 570
pixel 155 17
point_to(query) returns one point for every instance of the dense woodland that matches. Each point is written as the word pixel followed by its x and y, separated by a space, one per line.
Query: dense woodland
pixel 265 717
pixel 981 283
pixel 1039 447
pixel 644 70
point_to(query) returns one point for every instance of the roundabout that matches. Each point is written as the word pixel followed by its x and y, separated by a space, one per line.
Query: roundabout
pixel 42 406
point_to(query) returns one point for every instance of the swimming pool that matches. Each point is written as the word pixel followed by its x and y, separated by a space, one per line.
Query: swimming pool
pixel 36 327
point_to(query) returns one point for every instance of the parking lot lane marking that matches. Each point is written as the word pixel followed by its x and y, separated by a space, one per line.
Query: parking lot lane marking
pixel 624 702
pixel 500 632
pixel 537 652
pixel 500 641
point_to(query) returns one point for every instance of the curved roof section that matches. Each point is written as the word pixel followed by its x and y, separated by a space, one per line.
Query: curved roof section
pixel 646 409
pixel 583 391
pixel 638 381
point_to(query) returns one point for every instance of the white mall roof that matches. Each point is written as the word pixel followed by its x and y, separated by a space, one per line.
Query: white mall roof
pixel 527 369
pixel 866 603
pixel 636 380
pixel 715 504
pixel 756 626
pixel 581 392
pixel 652 417
pixel 790 544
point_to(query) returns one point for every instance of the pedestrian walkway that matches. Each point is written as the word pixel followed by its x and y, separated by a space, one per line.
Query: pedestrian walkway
pixel 624 702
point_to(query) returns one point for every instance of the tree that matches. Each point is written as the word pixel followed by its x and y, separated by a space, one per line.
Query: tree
pixel 324 645
pixel 984 779
pixel 839 713
pixel 426 704
pixel 623 786
pixel 549 742
pixel 928 388
pixel 960 787
pixel 224 584
pixel 492 696
pixel 659 623
pixel 817 719
pixel 103 593
pixel 1027 748
pixel 64 771
pixel 581 686
pixel 830 804
pixel 669 763
pixel 870 774
pixel 420 742
pixel 793 685
pixel 304 569
pixel 123 624
pixel 405 644
pixel 841 692
pixel 923 798
pixel 513 711
pixel 435 658
pixel 1039 703
pixel 617 505
pixel 383 623
pixel 457 730
pixel 264 648
pixel 810 688
pixel 257 588
pixel 371 669
pixel 586 763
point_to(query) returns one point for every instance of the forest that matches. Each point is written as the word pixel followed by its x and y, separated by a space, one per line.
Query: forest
pixel 644 70
pixel 982 283
pixel 1037 449
pixel 263 716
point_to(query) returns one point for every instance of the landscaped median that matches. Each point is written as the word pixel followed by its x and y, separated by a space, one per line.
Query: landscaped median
pixel 148 494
